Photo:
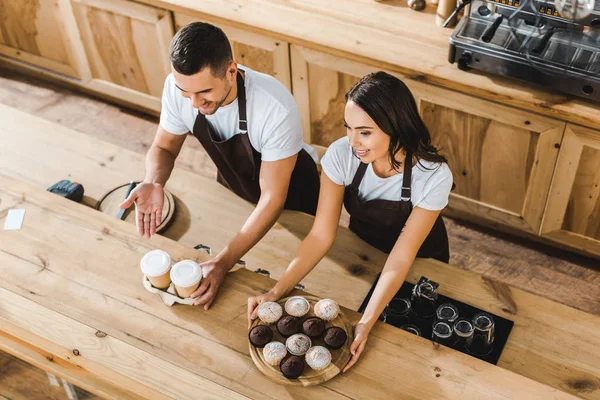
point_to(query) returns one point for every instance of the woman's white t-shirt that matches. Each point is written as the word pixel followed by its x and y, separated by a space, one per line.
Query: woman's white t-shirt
pixel 431 182
pixel 274 127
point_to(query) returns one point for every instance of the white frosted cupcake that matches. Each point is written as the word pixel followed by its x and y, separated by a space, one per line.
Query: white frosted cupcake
pixel 274 352
pixel 327 309
pixel 318 358
pixel 297 306
pixel 270 312
pixel 298 344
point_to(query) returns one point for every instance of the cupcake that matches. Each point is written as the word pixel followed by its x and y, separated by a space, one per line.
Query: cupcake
pixel 292 367
pixel 269 312
pixel 318 358
pixel 288 325
pixel 274 352
pixel 327 309
pixel 335 337
pixel 313 327
pixel 260 335
pixel 298 344
pixel 297 306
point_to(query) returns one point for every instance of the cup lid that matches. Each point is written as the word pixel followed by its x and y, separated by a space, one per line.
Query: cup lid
pixel 155 263
pixel 186 273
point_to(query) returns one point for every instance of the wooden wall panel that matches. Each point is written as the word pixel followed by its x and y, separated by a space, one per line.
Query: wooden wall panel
pixel 583 210
pixel 125 43
pixel 327 90
pixel 258 52
pixel 459 136
pixel 43 33
pixel 572 215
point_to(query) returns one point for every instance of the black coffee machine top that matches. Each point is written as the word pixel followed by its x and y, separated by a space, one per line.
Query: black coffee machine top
pixel 552 43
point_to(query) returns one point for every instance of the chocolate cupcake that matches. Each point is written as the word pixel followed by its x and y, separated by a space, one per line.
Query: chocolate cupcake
pixel 260 335
pixel 313 327
pixel 288 325
pixel 335 337
pixel 292 367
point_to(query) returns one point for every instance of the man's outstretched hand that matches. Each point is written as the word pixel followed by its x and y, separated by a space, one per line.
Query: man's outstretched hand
pixel 149 200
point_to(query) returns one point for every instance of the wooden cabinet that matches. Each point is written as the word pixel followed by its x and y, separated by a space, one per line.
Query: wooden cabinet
pixel 127 47
pixel 572 215
pixel 256 51
pixel 42 33
pixel 320 83
pixel 502 159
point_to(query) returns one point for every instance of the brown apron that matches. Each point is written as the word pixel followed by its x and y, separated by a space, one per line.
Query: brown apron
pixel 379 222
pixel 239 163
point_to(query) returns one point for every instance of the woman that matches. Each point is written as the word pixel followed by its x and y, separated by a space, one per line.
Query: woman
pixel 393 184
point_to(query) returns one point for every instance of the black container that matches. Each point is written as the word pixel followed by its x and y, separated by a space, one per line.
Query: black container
pixel 397 312
pixel 488 344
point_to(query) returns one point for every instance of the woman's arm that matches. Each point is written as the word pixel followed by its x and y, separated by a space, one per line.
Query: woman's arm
pixel 313 248
pixel 399 261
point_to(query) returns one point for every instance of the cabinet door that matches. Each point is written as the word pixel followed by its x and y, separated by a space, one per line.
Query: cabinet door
pixel 320 83
pixel 502 159
pixel 256 51
pixel 127 45
pixel 42 33
pixel 572 215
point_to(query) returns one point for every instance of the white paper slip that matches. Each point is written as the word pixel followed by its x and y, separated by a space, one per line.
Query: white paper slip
pixel 14 220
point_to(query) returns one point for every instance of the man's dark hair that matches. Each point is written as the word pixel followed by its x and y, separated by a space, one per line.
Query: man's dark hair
pixel 199 45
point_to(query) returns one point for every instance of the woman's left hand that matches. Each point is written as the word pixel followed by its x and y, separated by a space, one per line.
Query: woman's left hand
pixel 361 333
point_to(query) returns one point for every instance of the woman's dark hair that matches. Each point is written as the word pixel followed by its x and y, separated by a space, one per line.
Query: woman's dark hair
pixel 199 45
pixel 389 103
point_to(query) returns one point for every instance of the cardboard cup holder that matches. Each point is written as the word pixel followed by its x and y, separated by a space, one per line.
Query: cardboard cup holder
pixel 169 295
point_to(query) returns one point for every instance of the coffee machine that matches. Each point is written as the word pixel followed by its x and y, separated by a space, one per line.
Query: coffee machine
pixel 555 44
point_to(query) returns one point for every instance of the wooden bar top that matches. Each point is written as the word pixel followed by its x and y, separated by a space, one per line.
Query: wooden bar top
pixel 83 266
pixel 71 277
pixel 388 35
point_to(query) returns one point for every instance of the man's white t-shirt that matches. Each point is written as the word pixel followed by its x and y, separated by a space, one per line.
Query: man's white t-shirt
pixel 274 127
pixel 431 182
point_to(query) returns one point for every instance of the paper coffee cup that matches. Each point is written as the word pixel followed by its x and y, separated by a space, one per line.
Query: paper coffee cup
pixel 186 275
pixel 156 265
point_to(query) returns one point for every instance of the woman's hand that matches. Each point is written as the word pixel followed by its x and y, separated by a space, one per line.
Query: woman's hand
pixel 361 334
pixel 254 302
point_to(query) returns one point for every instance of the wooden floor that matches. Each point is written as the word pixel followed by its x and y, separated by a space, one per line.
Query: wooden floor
pixel 552 273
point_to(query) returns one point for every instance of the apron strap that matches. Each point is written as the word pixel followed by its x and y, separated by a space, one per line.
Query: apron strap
pixel 241 94
pixel 360 172
pixel 406 179
pixel 243 121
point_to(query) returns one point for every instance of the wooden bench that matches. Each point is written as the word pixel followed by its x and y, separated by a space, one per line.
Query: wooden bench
pixel 550 343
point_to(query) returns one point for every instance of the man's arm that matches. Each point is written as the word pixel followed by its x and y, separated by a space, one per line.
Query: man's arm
pixel 274 182
pixel 149 195
pixel 161 157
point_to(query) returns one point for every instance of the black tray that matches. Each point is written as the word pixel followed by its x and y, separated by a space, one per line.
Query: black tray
pixel 502 327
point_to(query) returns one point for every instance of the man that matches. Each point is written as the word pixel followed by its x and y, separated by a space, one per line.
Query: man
pixel 249 125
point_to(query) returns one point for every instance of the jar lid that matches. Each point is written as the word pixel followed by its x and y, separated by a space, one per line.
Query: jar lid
pixel 155 263
pixel 186 273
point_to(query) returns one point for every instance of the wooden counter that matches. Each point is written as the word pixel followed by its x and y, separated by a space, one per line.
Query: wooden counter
pixel 550 343
pixel 71 277
pixel 390 35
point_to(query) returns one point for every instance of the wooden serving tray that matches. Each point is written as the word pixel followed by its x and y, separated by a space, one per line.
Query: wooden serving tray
pixel 310 377
pixel 109 204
